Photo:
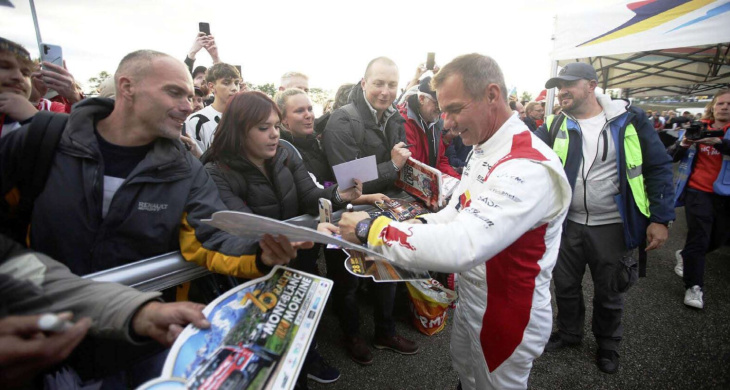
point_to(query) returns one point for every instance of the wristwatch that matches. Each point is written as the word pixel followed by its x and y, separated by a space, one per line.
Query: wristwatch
pixel 362 229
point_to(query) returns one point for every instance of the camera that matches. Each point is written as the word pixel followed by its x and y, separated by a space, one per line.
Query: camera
pixel 698 130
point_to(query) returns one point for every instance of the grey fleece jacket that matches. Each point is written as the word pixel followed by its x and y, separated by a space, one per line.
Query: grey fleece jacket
pixel 597 182
pixel 33 283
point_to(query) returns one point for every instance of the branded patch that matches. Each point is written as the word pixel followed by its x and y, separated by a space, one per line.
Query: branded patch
pixel 155 207
pixel 392 235
pixel 464 200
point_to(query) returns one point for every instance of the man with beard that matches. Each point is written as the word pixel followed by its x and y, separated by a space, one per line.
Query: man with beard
pixel 622 196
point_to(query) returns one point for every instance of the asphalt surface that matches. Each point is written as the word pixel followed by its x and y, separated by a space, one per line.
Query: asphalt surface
pixel 666 345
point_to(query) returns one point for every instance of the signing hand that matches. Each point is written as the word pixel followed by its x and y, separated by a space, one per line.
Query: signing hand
pixel 351 193
pixel 656 234
pixel 26 351
pixel 399 154
pixel 347 225
pixel 16 106
pixel 163 322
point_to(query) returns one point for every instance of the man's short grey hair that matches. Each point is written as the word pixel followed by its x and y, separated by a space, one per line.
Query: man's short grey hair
pixel 282 97
pixel 384 60
pixel 137 64
pixel 286 77
pixel 477 72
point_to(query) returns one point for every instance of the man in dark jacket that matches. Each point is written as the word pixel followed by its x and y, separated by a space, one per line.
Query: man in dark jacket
pixel 122 187
pixel 622 196
pixel 368 125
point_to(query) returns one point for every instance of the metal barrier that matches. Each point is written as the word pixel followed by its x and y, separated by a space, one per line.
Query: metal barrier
pixel 171 269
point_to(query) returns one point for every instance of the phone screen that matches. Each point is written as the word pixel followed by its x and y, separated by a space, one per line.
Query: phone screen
pixel 204 27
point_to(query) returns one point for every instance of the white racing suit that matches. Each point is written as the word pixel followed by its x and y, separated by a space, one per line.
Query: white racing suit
pixel 501 232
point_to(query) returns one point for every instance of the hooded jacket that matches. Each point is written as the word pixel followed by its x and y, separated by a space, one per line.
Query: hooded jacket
pixel 347 138
pixel 33 283
pixel 156 210
pixel 657 168
pixel 421 150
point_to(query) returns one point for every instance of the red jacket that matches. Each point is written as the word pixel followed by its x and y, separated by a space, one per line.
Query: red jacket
pixel 416 136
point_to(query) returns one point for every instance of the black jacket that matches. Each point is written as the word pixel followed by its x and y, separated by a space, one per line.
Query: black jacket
pixel 288 193
pixel 347 138
pixel 531 124
pixel 157 209
pixel 315 161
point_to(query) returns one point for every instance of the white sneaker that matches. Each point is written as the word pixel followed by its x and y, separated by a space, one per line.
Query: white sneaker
pixel 693 297
pixel 679 268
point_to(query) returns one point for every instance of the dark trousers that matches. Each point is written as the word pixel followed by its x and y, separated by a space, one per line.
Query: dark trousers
pixel 708 227
pixel 601 248
pixel 344 296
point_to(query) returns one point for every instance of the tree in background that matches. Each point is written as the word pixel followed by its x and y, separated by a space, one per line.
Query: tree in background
pixel 267 88
pixel 96 81
pixel 526 97
pixel 319 95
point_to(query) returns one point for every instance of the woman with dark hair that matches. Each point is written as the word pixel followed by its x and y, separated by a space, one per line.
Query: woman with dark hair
pixel 258 174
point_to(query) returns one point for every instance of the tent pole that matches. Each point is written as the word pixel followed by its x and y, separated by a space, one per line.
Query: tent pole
pixel 550 97
pixel 37 29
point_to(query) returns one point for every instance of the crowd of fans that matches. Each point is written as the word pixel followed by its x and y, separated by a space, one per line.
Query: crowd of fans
pixel 130 174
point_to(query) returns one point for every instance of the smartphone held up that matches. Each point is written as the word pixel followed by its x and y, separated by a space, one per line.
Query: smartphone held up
pixel 52 53
pixel 204 28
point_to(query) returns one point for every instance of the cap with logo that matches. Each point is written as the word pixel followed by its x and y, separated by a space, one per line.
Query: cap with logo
pixel 571 72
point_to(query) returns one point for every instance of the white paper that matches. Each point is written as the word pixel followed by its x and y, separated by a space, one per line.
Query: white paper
pixel 255 226
pixel 364 169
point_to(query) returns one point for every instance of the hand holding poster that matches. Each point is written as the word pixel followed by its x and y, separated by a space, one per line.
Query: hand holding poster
pixel 260 333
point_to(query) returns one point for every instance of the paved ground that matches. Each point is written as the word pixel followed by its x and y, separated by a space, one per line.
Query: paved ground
pixel 666 344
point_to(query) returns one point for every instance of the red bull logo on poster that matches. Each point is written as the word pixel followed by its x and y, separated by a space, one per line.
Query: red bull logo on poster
pixel 392 235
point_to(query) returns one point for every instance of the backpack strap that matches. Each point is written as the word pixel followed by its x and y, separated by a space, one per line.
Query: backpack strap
pixel 41 142
pixel 555 127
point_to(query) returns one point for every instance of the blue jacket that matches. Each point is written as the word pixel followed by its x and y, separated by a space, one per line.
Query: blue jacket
pixel 657 168
pixel 687 166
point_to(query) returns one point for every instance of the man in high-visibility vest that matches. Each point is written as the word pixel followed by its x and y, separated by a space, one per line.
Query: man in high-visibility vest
pixel 622 198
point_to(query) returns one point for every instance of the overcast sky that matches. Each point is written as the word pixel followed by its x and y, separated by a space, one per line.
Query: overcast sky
pixel 329 40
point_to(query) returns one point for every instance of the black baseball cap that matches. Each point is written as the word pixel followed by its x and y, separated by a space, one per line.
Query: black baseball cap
pixel 571 72
pixel 425 87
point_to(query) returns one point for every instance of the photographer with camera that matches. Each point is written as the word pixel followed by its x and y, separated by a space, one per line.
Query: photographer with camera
pixel 703 188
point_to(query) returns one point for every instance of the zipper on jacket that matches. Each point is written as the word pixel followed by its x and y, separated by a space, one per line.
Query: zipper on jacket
pixel 605 145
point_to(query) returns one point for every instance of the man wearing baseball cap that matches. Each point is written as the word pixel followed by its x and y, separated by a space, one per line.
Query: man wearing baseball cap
pixel 424 127
pixel 621 178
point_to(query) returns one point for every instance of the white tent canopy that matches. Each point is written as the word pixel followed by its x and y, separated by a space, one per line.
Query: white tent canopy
pixel 652 47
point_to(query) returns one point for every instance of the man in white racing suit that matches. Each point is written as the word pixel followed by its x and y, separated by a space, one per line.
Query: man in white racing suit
pixel 501 230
